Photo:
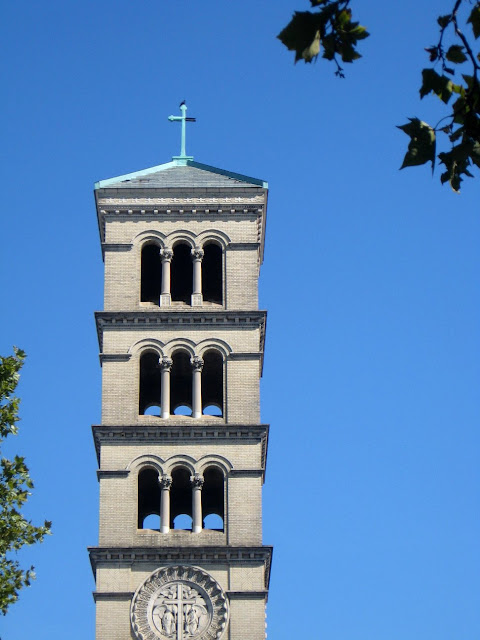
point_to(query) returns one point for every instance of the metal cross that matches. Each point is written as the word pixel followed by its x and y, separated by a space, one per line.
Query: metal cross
pixel 183 119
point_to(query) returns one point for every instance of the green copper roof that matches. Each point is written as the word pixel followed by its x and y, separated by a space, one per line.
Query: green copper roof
pixel 181 173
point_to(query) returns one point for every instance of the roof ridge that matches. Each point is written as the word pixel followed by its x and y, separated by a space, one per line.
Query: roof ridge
pixel 138 175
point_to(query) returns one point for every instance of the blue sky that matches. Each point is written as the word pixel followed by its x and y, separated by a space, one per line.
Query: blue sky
pixel 371 280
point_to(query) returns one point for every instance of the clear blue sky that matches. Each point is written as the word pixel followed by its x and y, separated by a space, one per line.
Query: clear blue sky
pixel 372 490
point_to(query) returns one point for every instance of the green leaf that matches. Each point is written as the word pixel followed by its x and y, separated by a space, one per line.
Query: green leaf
pixel 456 161
pixel 457 134
pixel 439 85
pixel 444 21
pixel 422 146
pixel 358 31
pixel 15 483
pixel 455 54
pixel 300 32
pixel 475 153
pixel 343 18
pixel 474 20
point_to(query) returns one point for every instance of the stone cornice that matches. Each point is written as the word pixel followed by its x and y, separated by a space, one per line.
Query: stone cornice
pixel 247 473
pixel 116 246
pixel 122 596
pixel 247 595
pixel 116 434
pixel 175 204
pixel 112 595
pixel 115 357
pixel 202 556
pixel 115 473
pixel 197 317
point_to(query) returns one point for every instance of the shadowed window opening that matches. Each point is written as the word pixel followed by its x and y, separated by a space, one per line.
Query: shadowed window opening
pixel 181 384
pixel 151 280
pixel 212 273
pixel 213 508
pixel 181 499
pixel 150 383
pixel 182 274
pixel 148 499
pixel 212 383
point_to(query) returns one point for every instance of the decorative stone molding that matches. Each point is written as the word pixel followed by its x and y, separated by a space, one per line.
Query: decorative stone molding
pixel 197 253
pixel 179 603
pixel 112 473
pixel 206 555
pixel 138 319
pixel 115 357
pixel 197 481
pixel 115 434
pixel 166 254
pixel 182 201
pixel 165 481
pixel 165 363
pixel 197 363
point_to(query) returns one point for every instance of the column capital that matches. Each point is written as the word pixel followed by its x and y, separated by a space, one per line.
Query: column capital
pixel 197 253
pixel 165 363
pixel 197 363
pixel 165 481
pixel 166 254
pixel 197 481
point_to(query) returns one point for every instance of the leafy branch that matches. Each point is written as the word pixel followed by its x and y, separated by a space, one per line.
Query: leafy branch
pixel 330 30
pixel 15 487
pixel 462 125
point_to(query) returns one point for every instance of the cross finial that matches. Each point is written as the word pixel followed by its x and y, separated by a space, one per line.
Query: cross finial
pixel 183 119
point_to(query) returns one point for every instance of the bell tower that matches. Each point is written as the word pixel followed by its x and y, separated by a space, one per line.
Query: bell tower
pixel 181 449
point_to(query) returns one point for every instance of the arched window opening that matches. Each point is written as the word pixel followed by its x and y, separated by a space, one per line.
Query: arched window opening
pixel 150 384
pixel 181 384
pixel 213 505
pixel 212 274
pixel 182 274
pixel 183 522
pixel 148 499
pixel 153 410
pixel 152 522
pixel 181 499
pixel 212 383
pixel 183 410
pixel 212 410
pixel 151 278
pixel 213 521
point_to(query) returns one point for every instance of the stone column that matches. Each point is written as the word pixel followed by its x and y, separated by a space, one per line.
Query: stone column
pixel 165 483
pixel 197 296
pixel 197 484
pixel 165 295
pixel 165 367
pixel 197 365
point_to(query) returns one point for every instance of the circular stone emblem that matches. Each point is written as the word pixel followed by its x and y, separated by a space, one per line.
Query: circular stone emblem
pixel 178 603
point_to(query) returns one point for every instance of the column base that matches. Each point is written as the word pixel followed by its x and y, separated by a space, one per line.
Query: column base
pixel 164 529
pixel 196 529
pixel 165 300
pixel 197 299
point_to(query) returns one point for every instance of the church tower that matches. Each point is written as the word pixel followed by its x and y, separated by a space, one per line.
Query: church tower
pixel 181 449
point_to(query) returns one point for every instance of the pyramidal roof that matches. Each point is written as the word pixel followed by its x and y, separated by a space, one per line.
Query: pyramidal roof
pixel 181 173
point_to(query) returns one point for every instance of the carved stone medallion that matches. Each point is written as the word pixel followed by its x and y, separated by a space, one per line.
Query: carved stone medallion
pixel 179 603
